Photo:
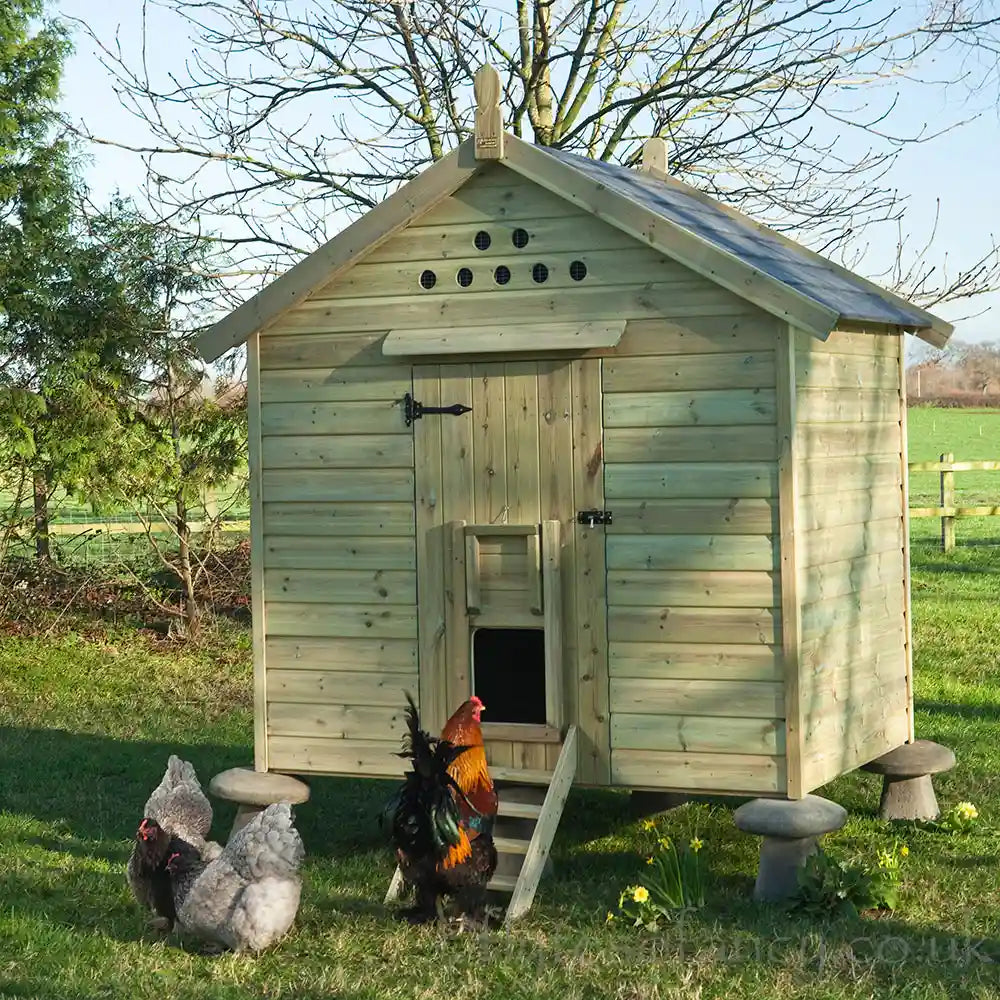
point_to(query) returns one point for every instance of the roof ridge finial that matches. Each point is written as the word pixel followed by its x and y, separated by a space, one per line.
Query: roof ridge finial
pixel 489 120
pixel 656 158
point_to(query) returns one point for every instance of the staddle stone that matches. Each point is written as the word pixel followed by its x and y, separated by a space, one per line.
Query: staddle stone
pixel 907 789
pixel 911 760
pixel 254 791
pixel 791 832
pixel 810 816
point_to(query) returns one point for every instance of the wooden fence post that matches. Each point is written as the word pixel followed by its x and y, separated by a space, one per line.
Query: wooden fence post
pixel 947 500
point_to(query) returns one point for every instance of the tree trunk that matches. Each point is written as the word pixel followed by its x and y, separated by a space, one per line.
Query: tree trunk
pixel 40 489
pixel 191 610
pixel 543 82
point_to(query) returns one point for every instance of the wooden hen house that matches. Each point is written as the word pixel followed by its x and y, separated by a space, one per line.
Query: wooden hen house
pixel 583 441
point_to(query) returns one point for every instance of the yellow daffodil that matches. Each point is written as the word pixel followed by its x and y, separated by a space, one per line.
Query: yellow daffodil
pixel 696 845
pixel 649 861
pixel 609 918
pixel 904 851
pixel 648 824
pixel 664 842
pixel 640 894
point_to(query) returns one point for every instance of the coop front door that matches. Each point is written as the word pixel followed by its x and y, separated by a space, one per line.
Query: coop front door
pixel 528 451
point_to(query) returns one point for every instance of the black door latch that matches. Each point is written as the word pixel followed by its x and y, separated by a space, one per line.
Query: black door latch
pixel 414 410
pixel 592 517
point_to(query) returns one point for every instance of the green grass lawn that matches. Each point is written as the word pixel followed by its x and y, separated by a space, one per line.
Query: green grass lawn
pixel 89 713
pixel 969 435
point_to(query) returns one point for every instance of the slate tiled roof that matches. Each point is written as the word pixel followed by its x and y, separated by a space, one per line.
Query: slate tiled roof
pixel 792 265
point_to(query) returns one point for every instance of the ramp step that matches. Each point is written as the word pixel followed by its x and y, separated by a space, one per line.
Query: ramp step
pixel 520 810
pixel 502 883
pixel 511 845
pixel 520 776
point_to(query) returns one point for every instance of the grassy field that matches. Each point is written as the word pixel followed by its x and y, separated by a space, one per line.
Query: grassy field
pixel 970 435
pixel 89 713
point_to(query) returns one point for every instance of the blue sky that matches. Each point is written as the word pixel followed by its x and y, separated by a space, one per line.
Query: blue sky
pixel 961 168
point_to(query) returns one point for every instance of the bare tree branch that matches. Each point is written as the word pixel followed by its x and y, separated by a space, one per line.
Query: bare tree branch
pixel 290 115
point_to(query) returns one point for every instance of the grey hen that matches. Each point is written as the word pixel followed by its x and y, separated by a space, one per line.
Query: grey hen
pixel 247 898
pixel 180 809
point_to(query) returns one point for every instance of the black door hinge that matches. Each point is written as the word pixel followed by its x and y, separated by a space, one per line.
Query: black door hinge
pixel 592 517
pixel 414 410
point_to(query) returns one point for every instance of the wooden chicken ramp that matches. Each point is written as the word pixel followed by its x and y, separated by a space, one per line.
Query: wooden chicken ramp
pixel 531 805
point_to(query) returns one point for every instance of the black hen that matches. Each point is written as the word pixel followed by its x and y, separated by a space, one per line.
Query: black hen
pixel 147 871
pixel 426 822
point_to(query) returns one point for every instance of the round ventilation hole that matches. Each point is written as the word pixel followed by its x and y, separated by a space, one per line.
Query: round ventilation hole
pixel 539 273
pixel 428 279
pixel 577 270
pixel 482 240
pixel 519 238
pixel 502 274
pixel 464 277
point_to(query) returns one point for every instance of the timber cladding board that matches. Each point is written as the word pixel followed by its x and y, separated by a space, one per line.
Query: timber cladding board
pixel 692 552
pixel 336 552
pixel 845 371
pixel 390 525
pixel 714 772
pixel 845 577
pixel 395 656
pixel 703 624
pixel 376 486
pixel 693 480
pixel 456 240
pixel 691 588
pixel 694 661
pixel 289 618
pixel 695 408
pixel 849 507
pixel 566 269
pixel 347 383
pixel 335 721
pixel 877 344
pixel 338 451
pixel 341 687
pixel 736 370
pixel 850 541
pixel 318 755
pixel 839 752
pixel 859 406
pixel 719 516
pixel 845 440
pixel 704 734
pixel 658 697
pixel 365 417
pixel 820 618
pixel 468 306
pixel 341 586
pixel 751 443
pixel 339 365
pixel 850 474
pixel 882 661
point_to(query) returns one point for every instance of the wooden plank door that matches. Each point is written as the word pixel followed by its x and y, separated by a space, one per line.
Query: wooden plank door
pixel 529 451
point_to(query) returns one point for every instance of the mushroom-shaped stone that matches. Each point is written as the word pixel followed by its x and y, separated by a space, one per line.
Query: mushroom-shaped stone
pixel 791 832
pixel 907 789
pixel 253 791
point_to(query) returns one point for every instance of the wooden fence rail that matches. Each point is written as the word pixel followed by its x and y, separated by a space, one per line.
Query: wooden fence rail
pixel 948 512
pixel 136 527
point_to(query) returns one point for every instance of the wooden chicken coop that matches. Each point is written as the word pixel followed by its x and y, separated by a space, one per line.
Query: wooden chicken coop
pixel 581 440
